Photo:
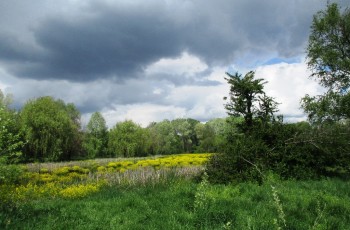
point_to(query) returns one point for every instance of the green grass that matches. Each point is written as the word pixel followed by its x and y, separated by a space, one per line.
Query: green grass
pixel 184 204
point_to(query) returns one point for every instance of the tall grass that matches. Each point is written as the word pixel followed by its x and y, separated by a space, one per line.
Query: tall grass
pixel 184 204
pixel 168 198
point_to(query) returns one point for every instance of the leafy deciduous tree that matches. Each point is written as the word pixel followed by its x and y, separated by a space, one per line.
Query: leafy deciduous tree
pixel 127 139
pixel 164 139
pixel 11 143
pixel 185 129
pixel 49 130
pixel 96 136
pixel 328 50
pixel 328 56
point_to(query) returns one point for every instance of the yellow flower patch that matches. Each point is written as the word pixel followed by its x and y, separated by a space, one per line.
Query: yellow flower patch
pixel 80 190
pixel 77 181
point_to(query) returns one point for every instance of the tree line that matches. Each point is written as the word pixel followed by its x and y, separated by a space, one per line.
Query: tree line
pixel 48 129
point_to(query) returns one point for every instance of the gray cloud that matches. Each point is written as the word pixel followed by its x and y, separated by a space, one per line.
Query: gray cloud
pixel 98 54
pixel 119 41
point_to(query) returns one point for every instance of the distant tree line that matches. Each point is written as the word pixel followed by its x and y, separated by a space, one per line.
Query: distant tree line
pixel 46 129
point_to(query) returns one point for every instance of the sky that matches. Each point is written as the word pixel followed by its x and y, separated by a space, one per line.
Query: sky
pixel 156 59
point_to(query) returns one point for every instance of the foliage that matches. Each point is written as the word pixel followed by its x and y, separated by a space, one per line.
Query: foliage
pixel 185 129
pixel 51 130
pixel 297 151
pixel 164 139
pixel 243 94
pixel 211 135
pixel 328 50
pixel 248 144
pixel 11 142
pixel 96 137
pixel 10 174
pixel 331 107
pixel 127 139
pixel 326 145
pixel 318 151
pixel 328 55
pixel 242 161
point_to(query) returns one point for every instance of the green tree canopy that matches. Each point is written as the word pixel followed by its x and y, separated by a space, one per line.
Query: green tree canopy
pixel 185 129
pixel 164 139
pixel 11 143
pixel 50 131
pixel 245 97
pixel 96 136
pixel 127 139
pixel 328 56
pixel 328 51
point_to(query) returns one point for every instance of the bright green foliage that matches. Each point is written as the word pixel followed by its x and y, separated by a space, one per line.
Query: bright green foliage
pixel 328 55
pixel 127 139
pixel 331 107
pixel 164 139
pixel 206 137
pixel 50 131
pixel 96 137
pixel 10 174
pixel 185 129
pixel 176 136
pixel 326 145
pixel 11 142
pixel 328 51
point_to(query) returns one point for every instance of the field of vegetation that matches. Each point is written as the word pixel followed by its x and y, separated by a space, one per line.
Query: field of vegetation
pixel 167 192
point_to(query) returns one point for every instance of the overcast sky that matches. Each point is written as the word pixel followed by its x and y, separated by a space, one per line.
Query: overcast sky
pixel 156 59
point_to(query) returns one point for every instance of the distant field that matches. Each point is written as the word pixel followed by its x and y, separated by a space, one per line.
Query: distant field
pixel 165 193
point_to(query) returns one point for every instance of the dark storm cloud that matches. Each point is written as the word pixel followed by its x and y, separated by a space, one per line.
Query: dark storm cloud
pixel 112 45
pixel 13 50
pixel 119 41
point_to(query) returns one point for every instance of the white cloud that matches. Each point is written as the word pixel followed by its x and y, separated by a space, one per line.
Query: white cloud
pixel 288 83
pixel 142 114
pixel 185 64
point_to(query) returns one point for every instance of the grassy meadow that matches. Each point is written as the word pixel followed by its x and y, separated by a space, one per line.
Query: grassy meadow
pixel 168 192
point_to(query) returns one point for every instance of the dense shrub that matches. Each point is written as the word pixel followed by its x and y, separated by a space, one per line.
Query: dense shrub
pixel 10 174
pixel 297 151
pixel 243 160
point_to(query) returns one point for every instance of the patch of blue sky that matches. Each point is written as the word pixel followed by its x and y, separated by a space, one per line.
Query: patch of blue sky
pixel 278 60
pixel 249 62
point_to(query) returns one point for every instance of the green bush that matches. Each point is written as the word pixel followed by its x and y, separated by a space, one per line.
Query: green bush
pixel 298 151
pixel 243 160
pixel 10 174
